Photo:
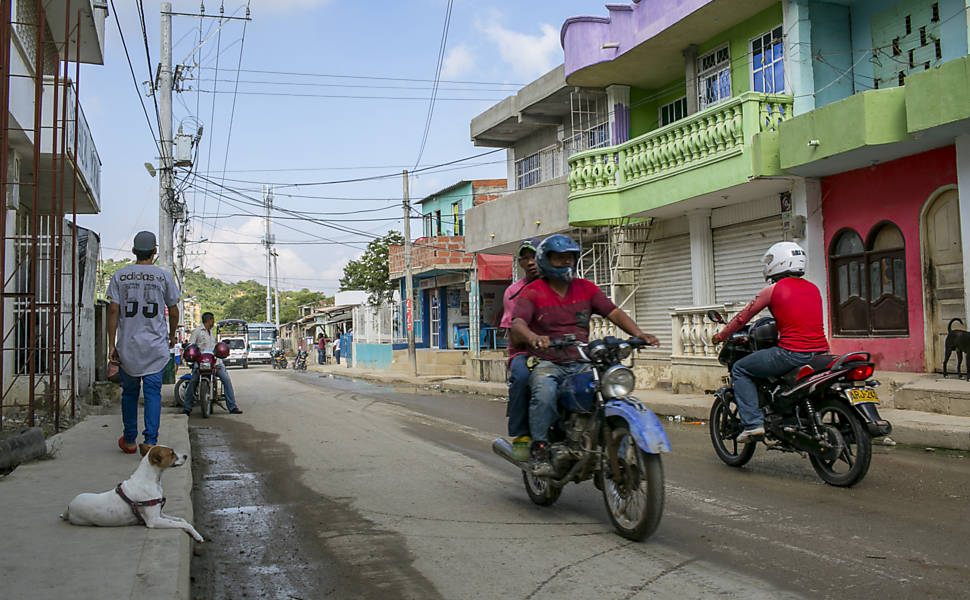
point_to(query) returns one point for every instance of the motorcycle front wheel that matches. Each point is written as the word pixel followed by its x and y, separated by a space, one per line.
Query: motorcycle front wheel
pixel 179 392
pixel 204 399
pixel 852 461
pixel 725 425
pixel 539 489
pixel 635 496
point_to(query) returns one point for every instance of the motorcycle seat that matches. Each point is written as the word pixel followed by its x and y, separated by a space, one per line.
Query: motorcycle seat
pixel 820 362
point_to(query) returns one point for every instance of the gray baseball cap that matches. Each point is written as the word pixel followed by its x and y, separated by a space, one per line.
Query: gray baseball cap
pixel 528 243
pixel 144 242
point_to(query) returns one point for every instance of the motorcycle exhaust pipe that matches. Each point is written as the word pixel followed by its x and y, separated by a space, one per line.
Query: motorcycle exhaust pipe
pixel 504 449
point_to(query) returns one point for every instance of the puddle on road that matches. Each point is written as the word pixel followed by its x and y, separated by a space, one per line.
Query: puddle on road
pixel 269 536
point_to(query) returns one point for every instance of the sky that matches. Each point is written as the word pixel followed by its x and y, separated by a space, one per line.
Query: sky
pixel 284 126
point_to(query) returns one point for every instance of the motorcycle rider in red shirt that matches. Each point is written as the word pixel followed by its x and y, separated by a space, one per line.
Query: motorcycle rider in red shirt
pixel 796 305
pixel 555 305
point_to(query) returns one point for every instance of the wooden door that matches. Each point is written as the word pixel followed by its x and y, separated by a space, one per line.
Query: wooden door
pixel 944 273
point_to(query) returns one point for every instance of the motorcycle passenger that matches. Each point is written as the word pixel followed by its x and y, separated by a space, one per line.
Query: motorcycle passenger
pixel 553 306
pixel 796 305
pixel 203 338
pixel 518 354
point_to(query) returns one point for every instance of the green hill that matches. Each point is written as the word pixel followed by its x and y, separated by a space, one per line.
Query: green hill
pixel 241 300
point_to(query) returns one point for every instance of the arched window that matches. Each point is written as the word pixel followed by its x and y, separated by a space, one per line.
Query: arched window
pixel 886 257
pixel 868 283
pixel 850 305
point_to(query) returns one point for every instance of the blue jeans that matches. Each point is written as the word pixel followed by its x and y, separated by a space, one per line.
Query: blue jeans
pixel 130 390
pixel 770 362
pixel 226 388
pixel 519 396
pixel 321 356
pixel 545 381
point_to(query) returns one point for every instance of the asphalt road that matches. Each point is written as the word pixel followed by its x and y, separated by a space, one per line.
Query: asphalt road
pixel 331 488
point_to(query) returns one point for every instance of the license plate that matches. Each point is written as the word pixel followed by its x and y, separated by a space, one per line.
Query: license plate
pixel 860 395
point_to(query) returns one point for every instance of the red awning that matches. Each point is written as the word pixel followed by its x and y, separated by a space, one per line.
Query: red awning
pixel 495 267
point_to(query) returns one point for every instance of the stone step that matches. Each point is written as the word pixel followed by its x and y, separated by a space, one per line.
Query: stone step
pixel 935 395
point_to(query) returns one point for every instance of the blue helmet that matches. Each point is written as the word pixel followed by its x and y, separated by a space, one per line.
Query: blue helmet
pixel 556 243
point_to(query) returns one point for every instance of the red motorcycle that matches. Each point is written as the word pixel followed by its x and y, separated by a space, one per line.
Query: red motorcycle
pixel 207 391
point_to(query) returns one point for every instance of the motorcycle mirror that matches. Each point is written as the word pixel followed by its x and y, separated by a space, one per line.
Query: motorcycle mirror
pixel 715 316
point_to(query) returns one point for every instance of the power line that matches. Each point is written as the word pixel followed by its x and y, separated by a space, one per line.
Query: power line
pixel 232 112
pixel 350 85
pixel 294 95
pixel 134 79
pixel 378 77
pixel 437 77
pixel 212 113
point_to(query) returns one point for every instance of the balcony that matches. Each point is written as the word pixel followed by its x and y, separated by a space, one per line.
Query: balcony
pixel 707 156
pixel 500 225
pixel 85 166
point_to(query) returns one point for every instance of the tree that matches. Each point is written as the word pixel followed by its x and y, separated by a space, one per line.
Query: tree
pixel 369 273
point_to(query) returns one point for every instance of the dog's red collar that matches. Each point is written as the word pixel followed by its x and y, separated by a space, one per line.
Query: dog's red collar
pixel 135 505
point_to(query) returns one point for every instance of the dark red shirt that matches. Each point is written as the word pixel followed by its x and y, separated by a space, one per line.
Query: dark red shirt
pixel 547 313
pixel 796 305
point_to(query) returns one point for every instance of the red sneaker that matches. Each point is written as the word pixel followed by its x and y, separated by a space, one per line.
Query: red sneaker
pixel 127 448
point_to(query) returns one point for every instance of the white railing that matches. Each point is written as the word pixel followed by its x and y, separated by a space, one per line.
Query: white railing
pixel 600 327
pixel 692 330
pixel 379 324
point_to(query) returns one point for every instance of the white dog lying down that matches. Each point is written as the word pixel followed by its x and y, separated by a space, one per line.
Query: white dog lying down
pixel 137 500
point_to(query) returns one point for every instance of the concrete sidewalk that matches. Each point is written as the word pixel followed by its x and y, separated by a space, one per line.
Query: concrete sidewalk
pixel 43 557
pixel 910 427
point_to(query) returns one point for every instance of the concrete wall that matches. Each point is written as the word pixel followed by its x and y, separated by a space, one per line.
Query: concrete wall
pixel 373 356
pixel 536 211
pixel 832 48
pixel 89 248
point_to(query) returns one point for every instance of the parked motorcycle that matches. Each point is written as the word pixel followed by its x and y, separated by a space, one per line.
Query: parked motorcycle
pixel 279 360
pixel 299 363
pixel 207 393
pixel 607 435
pixel 826 409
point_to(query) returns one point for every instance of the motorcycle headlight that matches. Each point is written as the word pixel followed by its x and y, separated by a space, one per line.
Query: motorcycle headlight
pixel 624 350
pixel 618 381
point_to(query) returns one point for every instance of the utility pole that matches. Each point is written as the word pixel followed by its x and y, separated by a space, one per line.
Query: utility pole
pixel 268 241
pixel 408 284
pixel 276 288
pixel 180 272
pixel 166 175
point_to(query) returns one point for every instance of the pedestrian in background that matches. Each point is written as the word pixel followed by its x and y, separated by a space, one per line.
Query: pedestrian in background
pixel 321 349
pixel 139 337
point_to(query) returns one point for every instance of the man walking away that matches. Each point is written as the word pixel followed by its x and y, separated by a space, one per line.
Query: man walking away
pixel 139 338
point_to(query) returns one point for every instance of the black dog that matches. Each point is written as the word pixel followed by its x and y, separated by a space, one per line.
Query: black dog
pixel 958 341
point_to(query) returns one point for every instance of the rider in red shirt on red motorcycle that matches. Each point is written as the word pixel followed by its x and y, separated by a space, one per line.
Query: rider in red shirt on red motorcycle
pixel 796 305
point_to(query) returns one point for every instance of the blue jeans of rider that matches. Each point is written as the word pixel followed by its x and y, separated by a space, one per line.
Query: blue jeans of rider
pixel 226 388
pixel 519 396
pixel 130 390
pixel 770 362
pixel 545 381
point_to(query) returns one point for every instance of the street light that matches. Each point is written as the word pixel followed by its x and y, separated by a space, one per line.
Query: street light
pixel 150 168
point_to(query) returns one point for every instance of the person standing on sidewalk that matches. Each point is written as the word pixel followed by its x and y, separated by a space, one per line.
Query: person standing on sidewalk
pixel 518 353
pixel 139 338
pixel 321 349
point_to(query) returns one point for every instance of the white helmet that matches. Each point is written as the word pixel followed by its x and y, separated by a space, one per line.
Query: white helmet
pixel 784 258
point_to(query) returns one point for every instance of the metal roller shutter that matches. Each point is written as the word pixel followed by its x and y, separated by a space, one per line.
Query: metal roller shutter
pixel 664 282
pixel 737 257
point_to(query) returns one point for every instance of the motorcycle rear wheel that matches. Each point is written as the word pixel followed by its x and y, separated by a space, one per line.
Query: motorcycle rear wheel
pixel 539 489
pixel 725 425
pixel 205 402
pixel 852 464
pixel 636 503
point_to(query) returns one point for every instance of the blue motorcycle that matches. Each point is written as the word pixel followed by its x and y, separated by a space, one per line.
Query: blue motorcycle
pixel 606 435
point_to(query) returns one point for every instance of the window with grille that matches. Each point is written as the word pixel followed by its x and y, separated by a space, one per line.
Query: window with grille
pixel 768 62
pixel 542 166
pixel 589 121
pixel 674 111
pixel 714 77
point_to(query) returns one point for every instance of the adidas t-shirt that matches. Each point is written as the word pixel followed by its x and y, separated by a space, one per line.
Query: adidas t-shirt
pixel 142 292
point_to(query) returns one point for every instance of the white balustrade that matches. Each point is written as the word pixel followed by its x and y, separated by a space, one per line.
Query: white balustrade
pixel 692 330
